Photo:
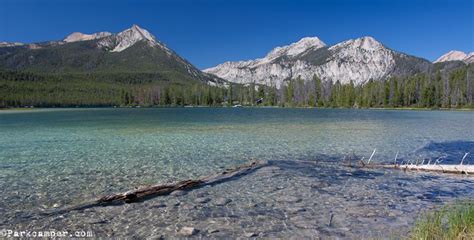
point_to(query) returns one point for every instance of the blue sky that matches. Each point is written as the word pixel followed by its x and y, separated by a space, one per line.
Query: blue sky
pixel 208 32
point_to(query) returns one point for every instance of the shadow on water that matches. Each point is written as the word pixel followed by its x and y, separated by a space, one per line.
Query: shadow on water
pixel 327 170
pixel 427 187
pixel 450 152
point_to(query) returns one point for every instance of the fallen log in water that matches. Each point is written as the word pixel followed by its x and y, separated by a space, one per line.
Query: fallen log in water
pixel 164 189
pixel 435 167
pixel 442 168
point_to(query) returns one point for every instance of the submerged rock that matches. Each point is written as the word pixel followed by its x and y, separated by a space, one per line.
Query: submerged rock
pixel 188 231
pixel 296 210
pixel 173 203
pixel 212 230
pixel 188 206
pixel 320 184
pixel 202 200
pixel 288 199
pixel 250 234
pixel 222 201
pixel 159 205
pixel 178 193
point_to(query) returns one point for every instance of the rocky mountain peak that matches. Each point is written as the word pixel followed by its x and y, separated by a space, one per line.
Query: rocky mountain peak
pixel 455 56
pixel 130 36
pixel 366 43
pixel 357 60
pixel 77 36
pixel 296 48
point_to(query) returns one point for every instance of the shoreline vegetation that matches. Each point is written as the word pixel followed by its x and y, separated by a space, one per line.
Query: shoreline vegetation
pixel 29 108
pixel 455 221
pixel 437 90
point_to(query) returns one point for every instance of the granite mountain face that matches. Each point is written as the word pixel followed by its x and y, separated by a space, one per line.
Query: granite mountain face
pixel 357 60
pixel 456 56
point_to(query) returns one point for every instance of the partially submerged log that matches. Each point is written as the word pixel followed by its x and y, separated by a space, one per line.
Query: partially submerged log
pixel 140 193
pixel 165 189
pixel 143 193
pixel 416 166
pixel 442 168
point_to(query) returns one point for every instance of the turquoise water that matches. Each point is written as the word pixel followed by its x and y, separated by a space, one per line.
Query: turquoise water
pixel 57 157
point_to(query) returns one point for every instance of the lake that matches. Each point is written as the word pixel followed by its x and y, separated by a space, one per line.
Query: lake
pixel 50 158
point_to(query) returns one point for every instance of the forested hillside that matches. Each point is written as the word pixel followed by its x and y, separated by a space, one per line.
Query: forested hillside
pixel 452 90
pixel 18 89
pixel 129 68
pixel 442 89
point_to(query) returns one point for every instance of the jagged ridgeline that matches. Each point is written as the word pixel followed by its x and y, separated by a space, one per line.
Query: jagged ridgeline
pixel 358 72
pixel 104 69
pixel 134 68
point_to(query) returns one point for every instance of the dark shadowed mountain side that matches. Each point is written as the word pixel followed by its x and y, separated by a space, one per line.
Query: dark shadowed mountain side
pixel 143 55
pixel 128 68
pixel 449 66
pixel 406 65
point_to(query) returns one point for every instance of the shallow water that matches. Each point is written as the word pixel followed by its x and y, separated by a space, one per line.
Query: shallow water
pixel 54 158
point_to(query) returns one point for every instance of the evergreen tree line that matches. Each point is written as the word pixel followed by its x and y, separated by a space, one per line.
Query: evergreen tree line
pixel 438 90
pixel 456 90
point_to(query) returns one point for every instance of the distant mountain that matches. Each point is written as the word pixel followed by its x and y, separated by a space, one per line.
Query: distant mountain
pixel 77 36
pixel 456 56
pixel 270 69
pixel 133 50
pixel 357 60
pixel 10 44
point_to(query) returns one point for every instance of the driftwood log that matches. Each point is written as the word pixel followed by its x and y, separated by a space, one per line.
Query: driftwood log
pixel 416 166
pixel 143 193
pixel 444 168
pixel 441 168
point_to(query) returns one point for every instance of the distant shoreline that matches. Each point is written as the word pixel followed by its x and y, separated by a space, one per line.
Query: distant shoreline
pixel 130 107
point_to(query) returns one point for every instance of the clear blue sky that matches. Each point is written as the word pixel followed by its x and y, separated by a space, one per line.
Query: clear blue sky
pixel 208 32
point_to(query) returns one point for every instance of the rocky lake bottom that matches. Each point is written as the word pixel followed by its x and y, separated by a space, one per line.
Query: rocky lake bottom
pixel 286 200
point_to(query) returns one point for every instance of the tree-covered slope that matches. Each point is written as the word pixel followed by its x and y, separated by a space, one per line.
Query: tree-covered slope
pixel 128 68
pixel 138 52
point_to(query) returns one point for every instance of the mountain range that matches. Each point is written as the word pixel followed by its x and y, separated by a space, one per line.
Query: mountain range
pixel 133 50
pixel 136 50
pixel 134 68
pixel 357 60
